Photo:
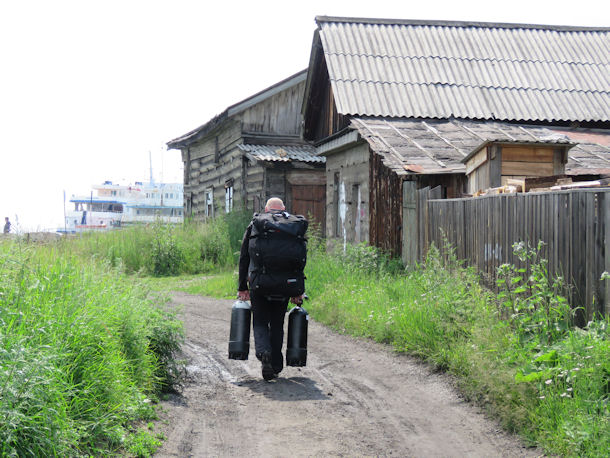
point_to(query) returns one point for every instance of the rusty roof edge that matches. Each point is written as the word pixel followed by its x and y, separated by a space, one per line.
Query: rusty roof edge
pixel 440 23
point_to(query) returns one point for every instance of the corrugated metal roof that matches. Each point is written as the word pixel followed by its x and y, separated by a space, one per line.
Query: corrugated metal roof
pixel 441 146
pixel 467 70
pixel 285 153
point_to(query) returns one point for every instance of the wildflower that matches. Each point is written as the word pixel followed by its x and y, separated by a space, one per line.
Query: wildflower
pixel 570 389
pixel 564 395
pixel 576 369
pixel 541 397
pixel 549 381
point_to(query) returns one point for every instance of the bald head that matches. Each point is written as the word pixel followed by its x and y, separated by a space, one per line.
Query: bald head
pixel 274 203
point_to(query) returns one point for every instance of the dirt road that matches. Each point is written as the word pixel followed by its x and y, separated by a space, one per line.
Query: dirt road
pixel 354 398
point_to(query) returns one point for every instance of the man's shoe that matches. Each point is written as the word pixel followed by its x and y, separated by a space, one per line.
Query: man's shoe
pixel 268 372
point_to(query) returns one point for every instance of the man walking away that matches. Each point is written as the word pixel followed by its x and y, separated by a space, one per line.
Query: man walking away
pixel 7 225
pixel 269 303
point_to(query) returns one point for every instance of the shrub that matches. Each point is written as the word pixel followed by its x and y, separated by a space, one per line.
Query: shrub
pixel 165 257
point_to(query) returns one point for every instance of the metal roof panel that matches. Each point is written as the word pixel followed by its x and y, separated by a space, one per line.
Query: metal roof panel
pixel 493 71
pixel 282 153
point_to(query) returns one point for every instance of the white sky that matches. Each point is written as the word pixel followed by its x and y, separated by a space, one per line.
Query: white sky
pixel 88 88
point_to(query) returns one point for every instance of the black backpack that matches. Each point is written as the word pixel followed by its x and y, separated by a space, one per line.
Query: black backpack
pixel 278 252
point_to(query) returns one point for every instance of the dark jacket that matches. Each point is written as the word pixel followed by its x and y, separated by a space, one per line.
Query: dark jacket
pixel 244 261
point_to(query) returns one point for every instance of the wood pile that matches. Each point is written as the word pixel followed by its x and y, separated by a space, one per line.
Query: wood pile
pixel 542 184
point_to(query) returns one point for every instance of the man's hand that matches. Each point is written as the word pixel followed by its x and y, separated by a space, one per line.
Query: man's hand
pixel 297 300
pixel 243 295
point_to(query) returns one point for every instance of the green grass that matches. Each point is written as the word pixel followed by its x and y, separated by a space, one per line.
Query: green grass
pixel 85 343
pixel 541 377
pixel 83 347
pixel 83 352
pixel 166 250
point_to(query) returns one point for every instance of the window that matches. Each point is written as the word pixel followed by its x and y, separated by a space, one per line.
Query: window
pixel 209 202
pixel 229 199
pixel 228 196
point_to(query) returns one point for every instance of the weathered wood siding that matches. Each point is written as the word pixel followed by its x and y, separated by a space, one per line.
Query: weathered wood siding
pixel 386 207
pixel 209 163
pixel 347 194
pixel 494 165
pixel 323 119
pixel 278 114
pixel 254 185
pixel 573 225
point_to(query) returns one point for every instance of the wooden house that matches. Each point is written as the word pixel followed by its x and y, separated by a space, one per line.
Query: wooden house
pixel 397 105
pixel 253 151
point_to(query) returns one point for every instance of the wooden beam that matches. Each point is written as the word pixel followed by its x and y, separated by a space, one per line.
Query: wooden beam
pixel 527 154
pixel 496 166
pixel 527 169
pixel 476 161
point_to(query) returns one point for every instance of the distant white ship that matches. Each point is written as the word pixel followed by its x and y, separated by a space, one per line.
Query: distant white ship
pixel 115 205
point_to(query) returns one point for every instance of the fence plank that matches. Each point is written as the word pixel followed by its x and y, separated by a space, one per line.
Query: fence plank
pixel 574 225
pixel 606 231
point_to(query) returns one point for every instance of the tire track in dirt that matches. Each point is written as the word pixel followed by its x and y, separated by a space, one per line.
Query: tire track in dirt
pixel 354 398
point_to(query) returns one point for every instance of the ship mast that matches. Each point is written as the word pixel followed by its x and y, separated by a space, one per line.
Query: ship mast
pixel 150 163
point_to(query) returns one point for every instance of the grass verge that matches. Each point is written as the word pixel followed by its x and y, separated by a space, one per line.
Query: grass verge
pixel 517 353
pixel 83 352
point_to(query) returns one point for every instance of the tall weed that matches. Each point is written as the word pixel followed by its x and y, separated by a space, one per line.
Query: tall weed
pixel 517 352
pixel 161 249
pixel 81 352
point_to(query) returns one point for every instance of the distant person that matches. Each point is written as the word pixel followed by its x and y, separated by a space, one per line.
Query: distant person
pixel 7 225
pixel 271 262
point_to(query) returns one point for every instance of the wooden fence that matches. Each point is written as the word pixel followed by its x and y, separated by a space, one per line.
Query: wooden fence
pixel 575 226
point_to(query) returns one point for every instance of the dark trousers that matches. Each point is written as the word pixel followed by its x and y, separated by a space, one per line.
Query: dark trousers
pixel 268 324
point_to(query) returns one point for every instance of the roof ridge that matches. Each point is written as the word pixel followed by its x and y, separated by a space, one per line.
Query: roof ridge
pixel 448 23
pixel 402 83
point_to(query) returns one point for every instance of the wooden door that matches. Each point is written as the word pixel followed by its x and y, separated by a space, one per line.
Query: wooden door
pixel 310 200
